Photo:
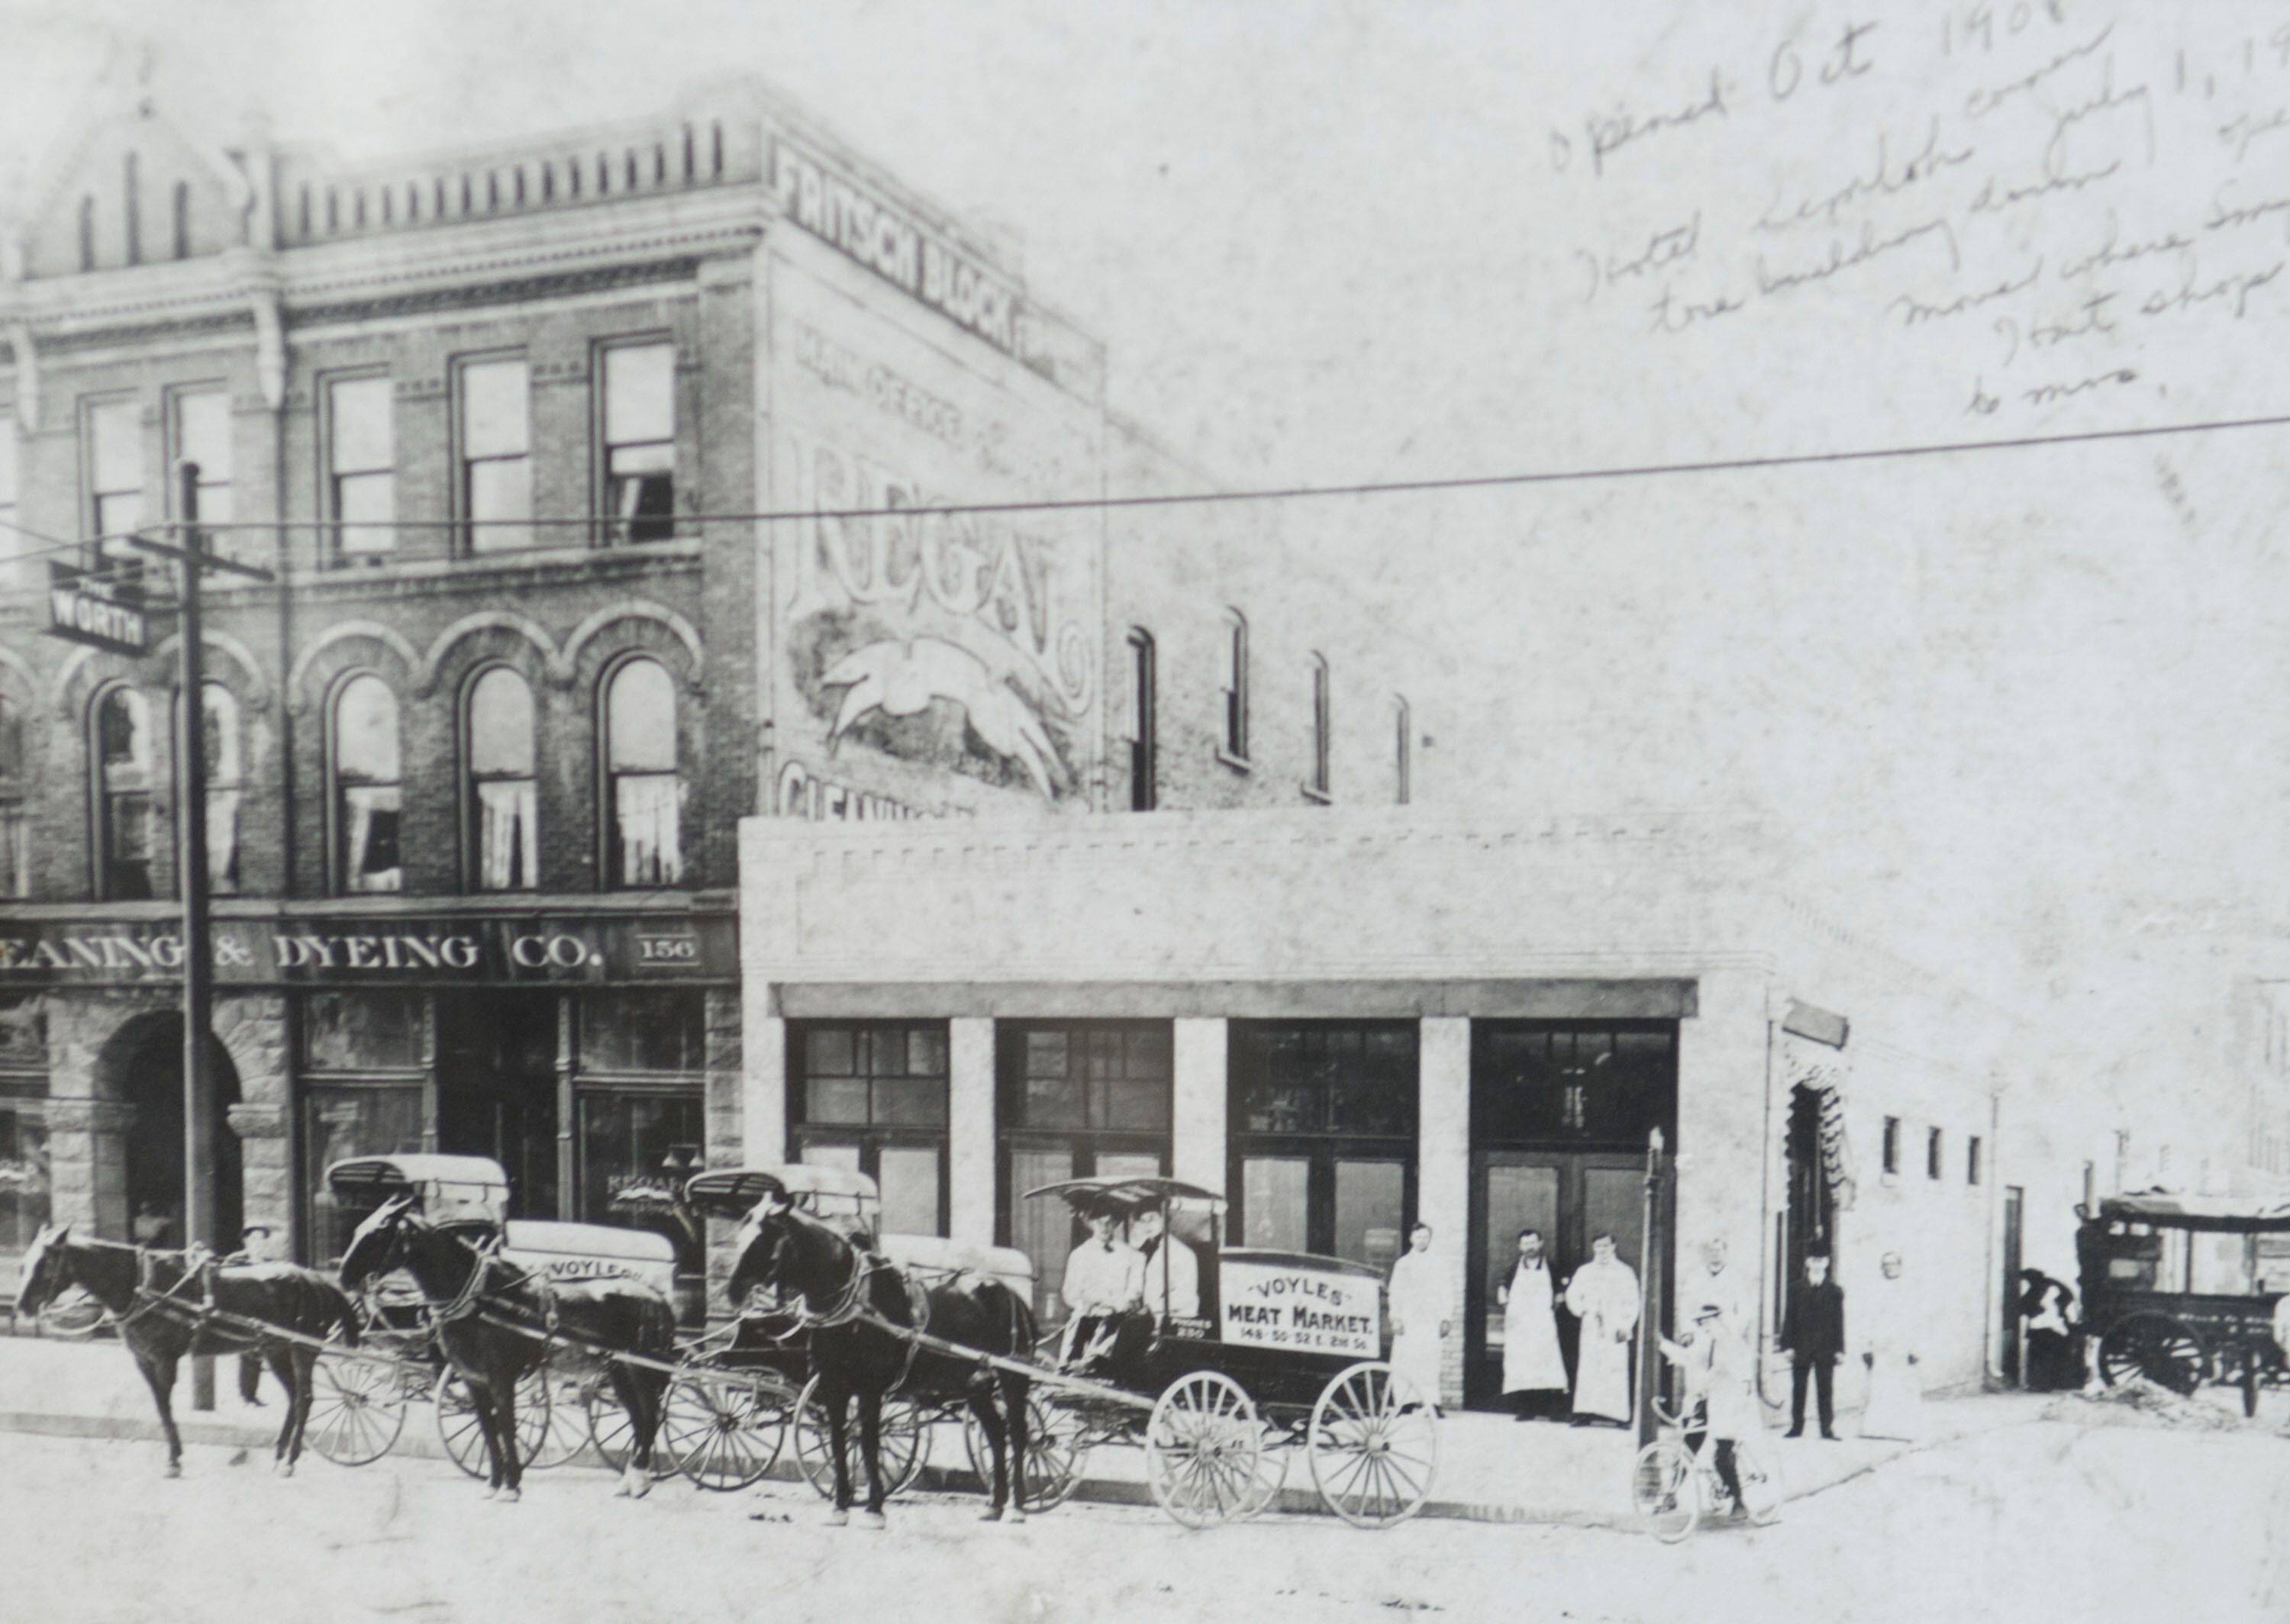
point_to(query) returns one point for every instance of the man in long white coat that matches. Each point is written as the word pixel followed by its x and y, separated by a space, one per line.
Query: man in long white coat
pixel 1890 1330
pixel 1603 1295
pixel 1534 1372
pixel 1422 1313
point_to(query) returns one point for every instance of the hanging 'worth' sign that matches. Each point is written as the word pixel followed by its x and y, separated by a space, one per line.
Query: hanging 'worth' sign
pixel 80 612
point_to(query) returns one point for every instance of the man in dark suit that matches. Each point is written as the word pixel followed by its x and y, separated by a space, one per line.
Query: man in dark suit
pixel 1813 1331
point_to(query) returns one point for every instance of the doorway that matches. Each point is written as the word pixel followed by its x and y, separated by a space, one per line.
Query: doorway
pixel 142 1066
pixel 2009 1319
pixel 497 1090
pixel 1569 1197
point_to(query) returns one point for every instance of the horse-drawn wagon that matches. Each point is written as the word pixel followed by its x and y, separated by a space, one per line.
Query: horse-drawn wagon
pixel 2189 1290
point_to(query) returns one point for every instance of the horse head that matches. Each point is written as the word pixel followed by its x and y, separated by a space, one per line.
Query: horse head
pixel 765 1251
pixel 46 1270
pixel 377 1244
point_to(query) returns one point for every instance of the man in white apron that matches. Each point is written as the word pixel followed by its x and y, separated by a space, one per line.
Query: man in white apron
pixel 1603 1295
pixel 1422 1313
pixel 1889 1349
pixel 1534 1372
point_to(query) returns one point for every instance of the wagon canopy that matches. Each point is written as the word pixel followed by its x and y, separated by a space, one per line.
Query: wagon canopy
pixel 729 1192
pixel 1127 1197
pixel 446 1188
pixel 2244 1214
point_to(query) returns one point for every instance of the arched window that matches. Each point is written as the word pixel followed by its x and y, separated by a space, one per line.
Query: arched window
pixel 1402 745
pixel 503 792
pixel 1235 685
pixel 1144 706
pixel 1322 729
pixel 366 790
pixel 225 779
pixel 644 797
pixel 15 827
pixel 124 834
pixel 131 197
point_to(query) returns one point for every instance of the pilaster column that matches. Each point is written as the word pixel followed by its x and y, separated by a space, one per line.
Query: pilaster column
pixel 970 1129
pixel 1198 1112
pixel 1443 1168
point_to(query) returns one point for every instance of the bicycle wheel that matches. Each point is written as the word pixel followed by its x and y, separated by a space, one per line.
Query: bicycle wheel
pixel 1761 1485
pixel 1665 1489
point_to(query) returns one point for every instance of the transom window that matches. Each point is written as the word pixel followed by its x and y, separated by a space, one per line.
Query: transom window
pixel 644 794
pixel 503 790
pixel 360 469
pixel 496 429
pixel 367 800
pixel 640 442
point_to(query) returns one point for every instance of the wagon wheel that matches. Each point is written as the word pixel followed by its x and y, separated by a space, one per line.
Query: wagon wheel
pixel 567 1396
pixel 905 1445
pixel 465 1440
pixel 723 1430
pixel 357 1408
pixel 1202 1450
pixel 1056 1445
pixel 2154 1346
pixel 1374 1447
pixel 1274 1448
pixel 1664 1492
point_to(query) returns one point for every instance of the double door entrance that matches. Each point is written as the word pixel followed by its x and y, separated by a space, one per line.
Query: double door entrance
pixel 1569 1197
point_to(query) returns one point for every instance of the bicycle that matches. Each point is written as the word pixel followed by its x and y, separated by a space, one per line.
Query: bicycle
pixel 1674 1490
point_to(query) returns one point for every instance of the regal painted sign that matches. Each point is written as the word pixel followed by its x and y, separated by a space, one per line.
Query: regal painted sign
pixel 883 239
pixel 1289 1303
pixel 377 950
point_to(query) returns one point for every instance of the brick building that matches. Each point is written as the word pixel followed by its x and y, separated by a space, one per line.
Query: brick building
pixel 477 755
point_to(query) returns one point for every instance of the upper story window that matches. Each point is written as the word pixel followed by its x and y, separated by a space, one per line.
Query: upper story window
pixel 496 433
pixel 113 457
pixel 1933 1153
pixel 1322 729
pixel 1891 1148
pixel 86 233
pixel 182 218
pixel 131 189
pixel 367 793
pixel 199 432
pixel 360 469
pixel 1144 707
pixel 1403 753
pixel 503 791
pixel 1235 685
pixel 13 541
pixel 644 794
pixel 640 442
pixel 124 832
pixel 226 779
pixel 15 826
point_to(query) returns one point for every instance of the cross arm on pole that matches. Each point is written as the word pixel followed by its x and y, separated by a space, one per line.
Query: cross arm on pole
pixel 203 559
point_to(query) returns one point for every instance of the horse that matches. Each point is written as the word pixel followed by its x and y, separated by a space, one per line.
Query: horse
pixel 495 1321
pixel 849 1298
pixel 168 1304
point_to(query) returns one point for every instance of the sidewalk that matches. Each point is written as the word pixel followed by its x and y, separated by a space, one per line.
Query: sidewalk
pixel 1491 1468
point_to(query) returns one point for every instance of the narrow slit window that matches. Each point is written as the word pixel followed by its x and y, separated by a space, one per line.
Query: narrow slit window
pixel 1235 685
pixel 1144 722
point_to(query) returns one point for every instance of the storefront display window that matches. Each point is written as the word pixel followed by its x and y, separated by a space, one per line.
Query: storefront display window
pixel 644 1031
pixel 340 1121
pixel 875 1096
pixel 25 1183
pixel 1077 1098
pixel 1322 1131
pixel 362 1031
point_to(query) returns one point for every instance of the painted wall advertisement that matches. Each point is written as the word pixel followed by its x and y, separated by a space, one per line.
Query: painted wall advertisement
pixel 936 655
pixel 1279 1304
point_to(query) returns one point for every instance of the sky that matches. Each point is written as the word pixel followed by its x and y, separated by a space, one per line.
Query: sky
pixel 2020 711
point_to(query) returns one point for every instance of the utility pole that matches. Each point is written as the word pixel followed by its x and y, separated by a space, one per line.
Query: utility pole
pixel 1650 1279
pixel 200 1123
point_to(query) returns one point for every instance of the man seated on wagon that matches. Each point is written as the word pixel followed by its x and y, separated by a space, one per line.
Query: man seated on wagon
pixel 1104 1279
pixel 1172 1275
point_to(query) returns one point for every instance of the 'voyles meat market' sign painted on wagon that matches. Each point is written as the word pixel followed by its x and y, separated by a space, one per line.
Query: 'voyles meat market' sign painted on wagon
pixel 1278 1301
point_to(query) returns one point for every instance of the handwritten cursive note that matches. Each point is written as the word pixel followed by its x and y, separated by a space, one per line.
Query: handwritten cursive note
pixel 2045 211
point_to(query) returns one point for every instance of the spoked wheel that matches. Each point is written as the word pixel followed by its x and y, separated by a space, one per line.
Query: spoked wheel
pixel 1664 1492
pixel 905 1446
pixel 465 1439
pixel 1374 1447
pixel 723 1429
pixel 357 1408
pixel 1274 1447
pixel 1055 1448
pixel 2154 1346
pixel 567 1397
pixel 1203 1450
